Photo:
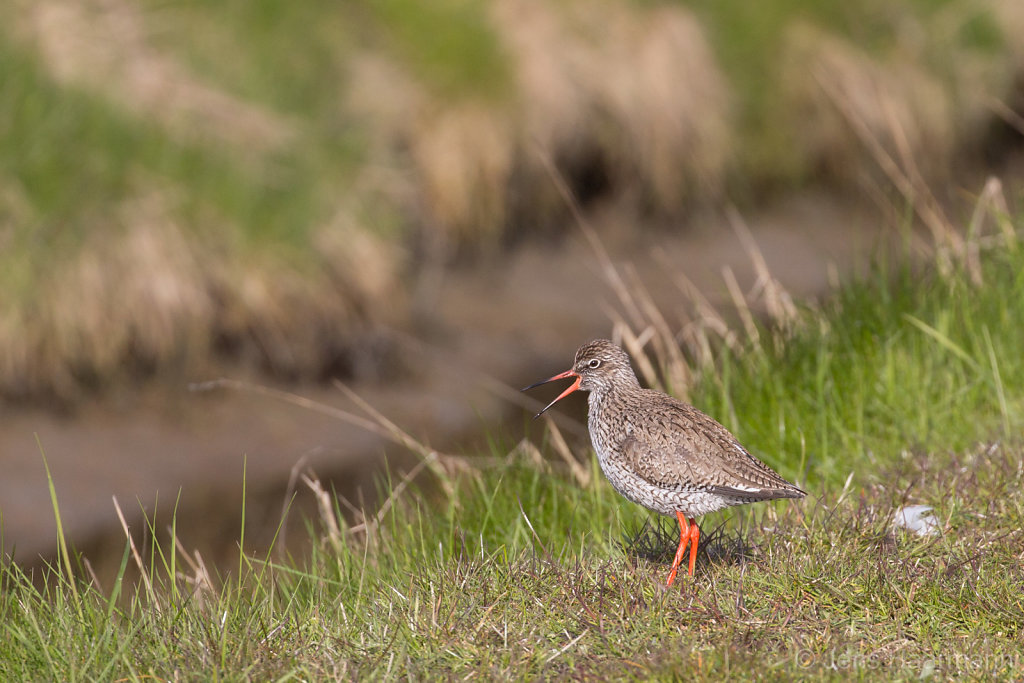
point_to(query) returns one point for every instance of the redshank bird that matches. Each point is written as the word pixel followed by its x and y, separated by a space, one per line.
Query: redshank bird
pixel 660 452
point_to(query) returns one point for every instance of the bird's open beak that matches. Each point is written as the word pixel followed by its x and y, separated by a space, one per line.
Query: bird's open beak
pixel 562 375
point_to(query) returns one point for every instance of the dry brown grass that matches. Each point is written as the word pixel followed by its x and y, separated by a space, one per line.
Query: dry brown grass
pixel 629 102
pixel 463 156
pixel 926 102
pixel 1010 15
pixel 142 296
pixel 1010 108
pixel 638 89
pixel 139 291
pixel 673 354
pixel 653 74
pixel 446 165
pixel 899 103
pixel 631 96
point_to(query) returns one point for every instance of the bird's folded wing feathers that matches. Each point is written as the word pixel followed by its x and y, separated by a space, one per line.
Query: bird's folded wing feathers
pixel 736 474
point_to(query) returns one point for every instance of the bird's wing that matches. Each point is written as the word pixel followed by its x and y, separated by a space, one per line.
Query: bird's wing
pixel 688 449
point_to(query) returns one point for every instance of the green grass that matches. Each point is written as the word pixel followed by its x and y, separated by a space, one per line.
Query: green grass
pixel 288 56
pixel 524 571
pixel 450 45
pixel 900 390
pixel 559 588
pixel 76 157
pixel 917 362
pixel 71 155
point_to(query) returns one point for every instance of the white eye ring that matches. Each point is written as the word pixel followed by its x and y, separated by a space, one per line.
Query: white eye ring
pixel 594 363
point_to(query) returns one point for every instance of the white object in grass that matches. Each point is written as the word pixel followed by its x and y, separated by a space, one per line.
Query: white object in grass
pixel 916 518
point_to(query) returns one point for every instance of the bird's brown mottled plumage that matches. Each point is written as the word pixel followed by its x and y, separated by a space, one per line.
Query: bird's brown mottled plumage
pixel 662 453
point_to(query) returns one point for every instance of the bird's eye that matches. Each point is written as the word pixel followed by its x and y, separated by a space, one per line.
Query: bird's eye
pixel 594 363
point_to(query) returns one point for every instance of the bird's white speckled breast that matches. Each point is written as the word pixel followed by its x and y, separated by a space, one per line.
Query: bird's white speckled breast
pixel 665 501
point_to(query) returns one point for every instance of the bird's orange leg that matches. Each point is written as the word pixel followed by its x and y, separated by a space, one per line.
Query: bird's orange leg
pixel 685 534
pixel 694 540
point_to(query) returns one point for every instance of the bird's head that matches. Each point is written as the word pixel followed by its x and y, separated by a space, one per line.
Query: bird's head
pixel 599 365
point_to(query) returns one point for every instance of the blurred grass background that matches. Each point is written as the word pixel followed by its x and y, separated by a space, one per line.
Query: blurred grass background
pixel 184 182
pixel 218 179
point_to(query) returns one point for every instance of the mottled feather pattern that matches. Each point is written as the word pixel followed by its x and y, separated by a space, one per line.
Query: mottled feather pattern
pixel 662 453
